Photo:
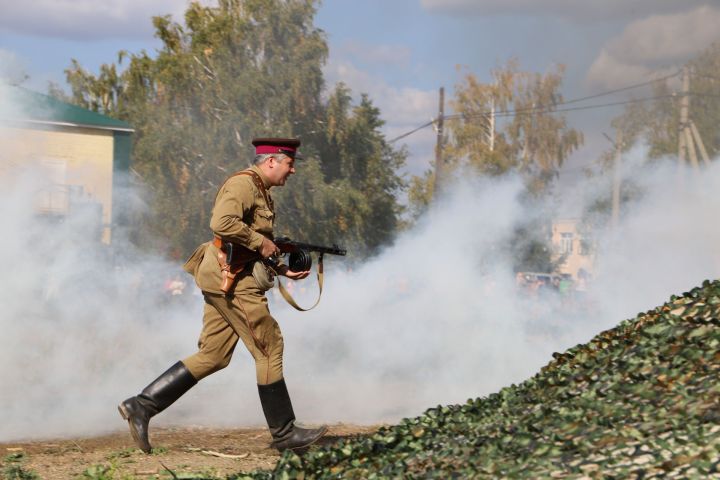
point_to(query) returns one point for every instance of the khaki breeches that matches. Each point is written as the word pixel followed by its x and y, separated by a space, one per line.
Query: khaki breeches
pixel 245 316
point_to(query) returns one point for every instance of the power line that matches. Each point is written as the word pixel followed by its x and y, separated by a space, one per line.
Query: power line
pixel 695 74
pixel 570 109
pixel 545 109
pixel 536 110
pixel 704 94
pixel 621 89
pixel 407 134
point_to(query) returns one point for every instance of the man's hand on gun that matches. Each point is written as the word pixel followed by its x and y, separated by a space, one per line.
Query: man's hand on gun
pixel 268 248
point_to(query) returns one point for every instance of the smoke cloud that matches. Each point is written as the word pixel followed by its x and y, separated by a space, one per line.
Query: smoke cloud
pixel 11 69
pixel 435 319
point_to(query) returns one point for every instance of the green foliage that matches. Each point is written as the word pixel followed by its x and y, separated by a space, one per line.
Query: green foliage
pixel 99 472
pixel 638 401
pixel 658 122
pixel 125 453
pixel 158 451
pixel 110 472
pixel 541 140
pixel 228 74
pixel 353 187
pixel 13 469
pixel 420 193
pixel 657 125
pixel 535 141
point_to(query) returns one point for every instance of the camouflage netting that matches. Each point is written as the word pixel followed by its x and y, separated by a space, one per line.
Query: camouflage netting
pixel 639 401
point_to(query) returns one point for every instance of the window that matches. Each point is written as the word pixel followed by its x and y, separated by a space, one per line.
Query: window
pixel 566 242
pixel 52 196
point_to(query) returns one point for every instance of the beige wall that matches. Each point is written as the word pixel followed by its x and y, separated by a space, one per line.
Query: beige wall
pixel 83 156
pixel 566 238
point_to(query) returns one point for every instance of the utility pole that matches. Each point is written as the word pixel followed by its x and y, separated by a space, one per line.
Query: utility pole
pixel 686 143
pixel 700 144
pixel 492 124
pixel 684 106
pixel 439 165
pixel 617 179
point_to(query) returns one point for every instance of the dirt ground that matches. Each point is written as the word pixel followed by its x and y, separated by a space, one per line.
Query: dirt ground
pixel 217 452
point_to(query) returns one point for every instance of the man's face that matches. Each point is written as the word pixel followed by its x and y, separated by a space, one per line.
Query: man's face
pixel 283 166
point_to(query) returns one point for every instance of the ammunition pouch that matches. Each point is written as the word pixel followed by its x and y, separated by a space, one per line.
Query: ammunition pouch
pixel 264 277
pixel 193 263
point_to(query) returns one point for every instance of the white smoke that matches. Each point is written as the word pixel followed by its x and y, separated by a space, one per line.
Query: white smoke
pixel 667 240
pixel 435 319
pixel 12 70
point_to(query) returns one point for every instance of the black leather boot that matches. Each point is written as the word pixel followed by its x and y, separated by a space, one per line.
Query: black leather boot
pixel 155 398
pixel 280 418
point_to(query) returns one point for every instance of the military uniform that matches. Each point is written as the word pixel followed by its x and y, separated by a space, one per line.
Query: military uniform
pixel 243 214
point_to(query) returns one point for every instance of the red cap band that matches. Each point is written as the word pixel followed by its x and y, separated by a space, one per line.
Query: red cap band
pixel 263 149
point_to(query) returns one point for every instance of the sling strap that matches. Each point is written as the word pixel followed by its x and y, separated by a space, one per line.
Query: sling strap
pixel 289 299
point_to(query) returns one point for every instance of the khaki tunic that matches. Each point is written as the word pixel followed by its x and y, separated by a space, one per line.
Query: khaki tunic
pixel 240 215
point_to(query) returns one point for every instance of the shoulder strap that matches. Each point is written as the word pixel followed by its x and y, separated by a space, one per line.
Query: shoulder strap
pixel 256 180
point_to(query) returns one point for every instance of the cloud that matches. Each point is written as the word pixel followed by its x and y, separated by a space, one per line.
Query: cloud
pixel 376 54
pixel 85 19
pixel 587 10
pixel 400 106
pixel 654 45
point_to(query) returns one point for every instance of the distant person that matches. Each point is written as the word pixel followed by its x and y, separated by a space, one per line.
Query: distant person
pixel 565 288
pixel 556 283
pixel 533 286
pixel 580 292
pixel 176 286
pixel 243 215
pixel 545 287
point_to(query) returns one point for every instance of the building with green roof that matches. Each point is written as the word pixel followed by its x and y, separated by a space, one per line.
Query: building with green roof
pixel 82 156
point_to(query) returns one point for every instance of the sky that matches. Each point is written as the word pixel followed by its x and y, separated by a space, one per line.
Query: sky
pixel 401 52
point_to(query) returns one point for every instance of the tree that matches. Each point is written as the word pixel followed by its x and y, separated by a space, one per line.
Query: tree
pixel 474 140
pixel 507 125
pixel 540 138
pixel 658 123
pixel 228 74
pixel 356 157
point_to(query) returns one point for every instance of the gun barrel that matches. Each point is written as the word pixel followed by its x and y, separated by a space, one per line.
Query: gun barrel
pixel 288 246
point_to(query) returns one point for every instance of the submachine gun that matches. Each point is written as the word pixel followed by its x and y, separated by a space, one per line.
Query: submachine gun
pixel 299 260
